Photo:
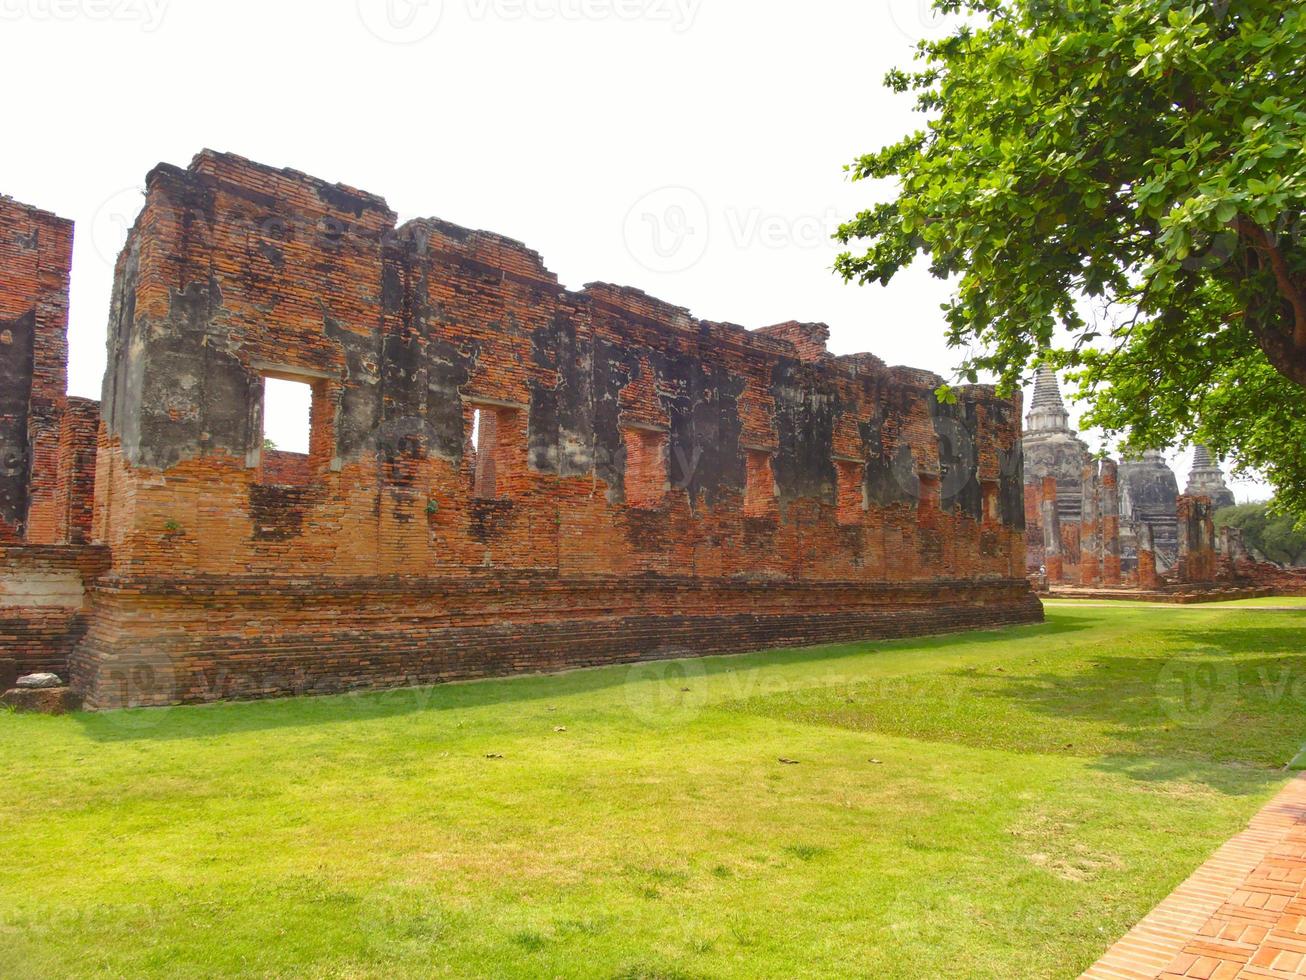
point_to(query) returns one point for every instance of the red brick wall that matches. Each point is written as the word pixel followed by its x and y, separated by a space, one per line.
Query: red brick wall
pixel 79 429
pixel 622 442
pixel 43 603
pixel 286 469
pixel 323 636
pixel 1198 561
pixel 35 263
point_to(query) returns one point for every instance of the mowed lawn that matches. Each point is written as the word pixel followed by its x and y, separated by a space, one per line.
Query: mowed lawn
pixel 1000 804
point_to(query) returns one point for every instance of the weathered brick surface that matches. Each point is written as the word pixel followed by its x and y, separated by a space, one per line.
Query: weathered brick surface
pixel 642 483
pixel 35 264
pixel 1198 561
pixel 44 606
pixel 79 429
pixel 228 638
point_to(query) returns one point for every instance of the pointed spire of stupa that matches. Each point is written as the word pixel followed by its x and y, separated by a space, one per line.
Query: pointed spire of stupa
pixel 1047 412
pixel 1207 479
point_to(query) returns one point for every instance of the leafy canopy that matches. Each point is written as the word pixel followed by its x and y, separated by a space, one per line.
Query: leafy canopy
pixel 1117 187
pixel 1272 535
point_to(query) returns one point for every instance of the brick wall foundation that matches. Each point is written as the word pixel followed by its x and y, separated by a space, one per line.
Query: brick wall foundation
pixel 44 609
pixel 156 642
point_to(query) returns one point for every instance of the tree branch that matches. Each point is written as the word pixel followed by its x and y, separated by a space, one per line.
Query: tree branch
pixel 1285 348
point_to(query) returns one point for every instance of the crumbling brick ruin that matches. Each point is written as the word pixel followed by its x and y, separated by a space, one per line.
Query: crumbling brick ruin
pixel 1072 501
pixel 47 450
pixel 36 256
pixel 1101 525
pixel 503 475
pixel 1198 561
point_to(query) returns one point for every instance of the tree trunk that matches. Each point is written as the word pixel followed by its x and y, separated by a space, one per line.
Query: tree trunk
pixel 1280 324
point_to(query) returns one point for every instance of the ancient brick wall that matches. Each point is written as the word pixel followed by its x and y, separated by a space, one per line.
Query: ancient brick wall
pixel 637 473
pixel 44 604
pixel 79 429
pixel 318 638
pixel 1198 561
pixel 35 264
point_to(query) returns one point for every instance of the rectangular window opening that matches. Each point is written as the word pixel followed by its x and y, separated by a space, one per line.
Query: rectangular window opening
pixel 287 433
pixel 646 467
pixel 497 449
pixel 759 485
pixel 929 494
pixel 852 493
pixel 485 436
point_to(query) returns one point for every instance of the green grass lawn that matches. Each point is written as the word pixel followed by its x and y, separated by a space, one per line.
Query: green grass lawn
pixel 997 804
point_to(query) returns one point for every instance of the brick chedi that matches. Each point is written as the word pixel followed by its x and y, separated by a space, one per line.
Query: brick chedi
pixel 1207 480
pixel 503 475
pixel 1072 504
pixel 1149 494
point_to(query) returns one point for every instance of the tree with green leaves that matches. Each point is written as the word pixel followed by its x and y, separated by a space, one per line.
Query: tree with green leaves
pixel 1267 533
pixel 1117 188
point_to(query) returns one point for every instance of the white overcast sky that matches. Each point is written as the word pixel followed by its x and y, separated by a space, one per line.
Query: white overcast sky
pixel 691 148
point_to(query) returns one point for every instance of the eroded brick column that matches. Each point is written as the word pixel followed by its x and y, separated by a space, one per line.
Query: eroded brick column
pixel 1090 531
pixel 1052 551
pixel 1147 578
pixel 1110 523
pixel 1197 559
pixel 35 263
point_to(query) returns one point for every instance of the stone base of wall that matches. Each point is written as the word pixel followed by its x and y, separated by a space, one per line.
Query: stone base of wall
pixel 43 603
pixel 154 642
pixel 1177 595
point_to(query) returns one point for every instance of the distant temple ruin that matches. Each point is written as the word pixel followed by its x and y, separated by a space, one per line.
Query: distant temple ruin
pixel 503 475
pixel 1207 480
pixel 1097 522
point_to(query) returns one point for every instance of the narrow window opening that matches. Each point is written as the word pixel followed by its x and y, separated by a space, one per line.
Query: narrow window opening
pixel 485 433
pixel 287 432
pixel 929 494
pixel 759 484
pixel 852 492
pixel 646 467
pixel 992 501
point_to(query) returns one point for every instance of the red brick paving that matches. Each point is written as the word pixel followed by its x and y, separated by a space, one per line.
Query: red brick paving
pixel 1241 914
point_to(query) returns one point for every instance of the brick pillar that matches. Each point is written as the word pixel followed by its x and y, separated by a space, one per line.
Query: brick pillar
pixel 1147 578
pixel 1090 530
pixel 75 481
pixel 1110 523
pixel 1052 556
pixel 1197 562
